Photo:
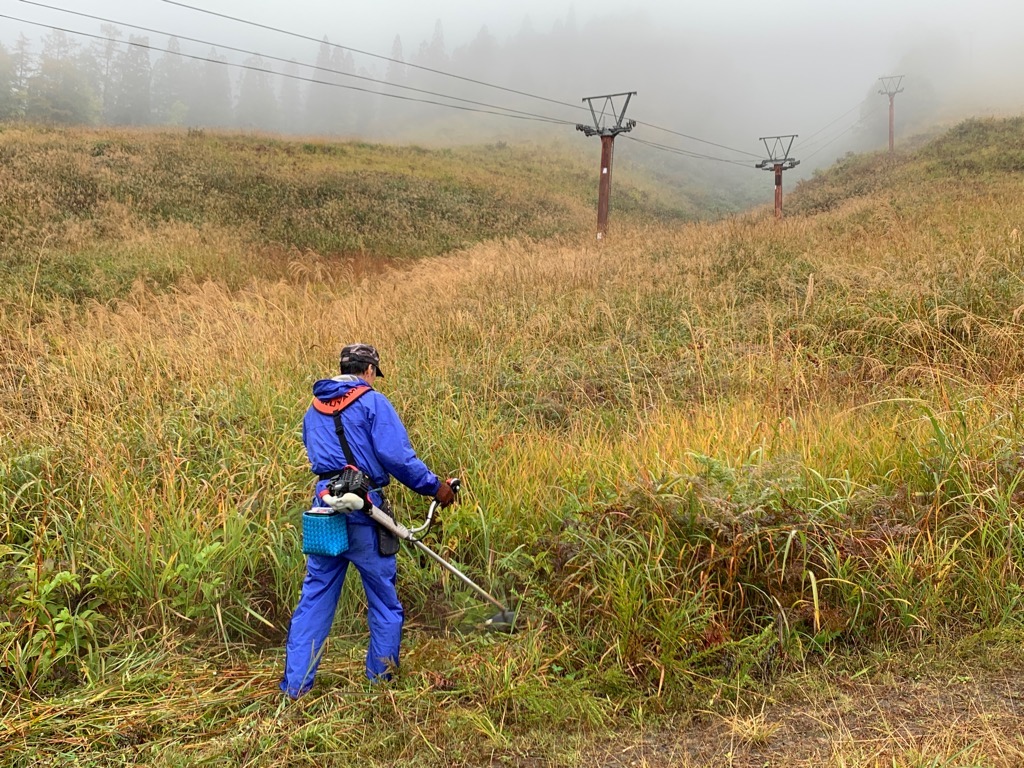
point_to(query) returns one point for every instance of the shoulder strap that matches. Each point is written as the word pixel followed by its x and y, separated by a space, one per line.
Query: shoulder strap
pixel 339 430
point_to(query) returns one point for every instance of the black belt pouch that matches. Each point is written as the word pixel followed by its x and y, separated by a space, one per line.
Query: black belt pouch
pixel 388 543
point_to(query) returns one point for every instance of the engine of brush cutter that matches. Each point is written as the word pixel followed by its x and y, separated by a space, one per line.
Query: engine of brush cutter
pixel 351 480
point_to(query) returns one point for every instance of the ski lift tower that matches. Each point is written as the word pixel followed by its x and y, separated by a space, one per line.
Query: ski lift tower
pixel 607 126
pixel 891 85
pixel 778 148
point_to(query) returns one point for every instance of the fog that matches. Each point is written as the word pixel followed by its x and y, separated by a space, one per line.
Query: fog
pixel 726 72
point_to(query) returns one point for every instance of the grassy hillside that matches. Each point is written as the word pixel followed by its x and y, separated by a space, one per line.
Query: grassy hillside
pixel 707 459
pixel 83 213
pixel 980 154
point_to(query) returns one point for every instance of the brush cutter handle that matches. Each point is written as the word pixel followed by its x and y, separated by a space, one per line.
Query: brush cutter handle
pixel 423 530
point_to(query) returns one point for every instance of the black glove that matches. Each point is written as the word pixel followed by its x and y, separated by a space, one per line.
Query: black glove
pixel 445 495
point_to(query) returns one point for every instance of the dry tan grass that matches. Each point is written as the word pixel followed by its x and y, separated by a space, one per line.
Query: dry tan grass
pixel 866 352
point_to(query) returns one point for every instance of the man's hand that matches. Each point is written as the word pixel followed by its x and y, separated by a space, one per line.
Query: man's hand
pixel 445 495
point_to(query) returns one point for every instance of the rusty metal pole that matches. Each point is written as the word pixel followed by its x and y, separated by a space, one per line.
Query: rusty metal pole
pixel 778 190
pixel 892 122
pixel 604 191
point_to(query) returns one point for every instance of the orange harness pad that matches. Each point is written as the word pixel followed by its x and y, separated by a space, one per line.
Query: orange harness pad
pixel 338 404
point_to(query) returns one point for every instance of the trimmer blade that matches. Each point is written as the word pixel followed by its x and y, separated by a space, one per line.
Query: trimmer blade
pixel 503 621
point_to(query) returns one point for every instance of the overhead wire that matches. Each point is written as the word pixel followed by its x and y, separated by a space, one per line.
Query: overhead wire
pixel 324 41
pixel 385 83
pixel 807 139
pixel 489 108
pixel 685 152
pixel 830 141
pixel 694 138
pixel 826 137
pixel 433 70
pixel 271 57
pixel 842 133
pixel 315 81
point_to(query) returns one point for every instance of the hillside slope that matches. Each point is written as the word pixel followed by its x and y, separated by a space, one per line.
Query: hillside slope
pixel 977 154
pixel 712 464
pixel 83 212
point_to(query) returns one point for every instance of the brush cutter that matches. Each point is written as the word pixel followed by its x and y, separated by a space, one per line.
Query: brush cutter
pixel 346 501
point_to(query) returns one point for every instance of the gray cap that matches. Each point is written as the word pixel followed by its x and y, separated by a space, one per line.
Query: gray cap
pixel 361 353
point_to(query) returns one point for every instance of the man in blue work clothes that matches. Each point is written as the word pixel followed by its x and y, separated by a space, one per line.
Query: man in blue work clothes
pixel 379 445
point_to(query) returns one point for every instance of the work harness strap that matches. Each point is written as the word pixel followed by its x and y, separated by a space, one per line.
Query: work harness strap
pixel 333 408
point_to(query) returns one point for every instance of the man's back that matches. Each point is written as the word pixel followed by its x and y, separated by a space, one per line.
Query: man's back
pixel 376 436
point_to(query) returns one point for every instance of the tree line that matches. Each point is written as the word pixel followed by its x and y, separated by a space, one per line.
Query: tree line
pixel 127 80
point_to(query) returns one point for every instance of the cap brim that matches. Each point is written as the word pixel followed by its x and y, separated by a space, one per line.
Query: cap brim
pixel 380 373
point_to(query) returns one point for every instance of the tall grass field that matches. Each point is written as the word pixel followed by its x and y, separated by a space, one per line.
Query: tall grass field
pixel 711 463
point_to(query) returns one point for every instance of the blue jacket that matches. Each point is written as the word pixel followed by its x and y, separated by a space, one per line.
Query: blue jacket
pixel 378 440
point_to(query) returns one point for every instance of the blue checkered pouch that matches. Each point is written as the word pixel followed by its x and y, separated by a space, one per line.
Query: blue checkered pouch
pixel 324 532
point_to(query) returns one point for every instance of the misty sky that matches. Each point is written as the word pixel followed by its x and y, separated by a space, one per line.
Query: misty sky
pixel 744 68
pixel 881 24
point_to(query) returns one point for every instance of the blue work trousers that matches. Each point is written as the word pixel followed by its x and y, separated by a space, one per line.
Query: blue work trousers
pixel 312 619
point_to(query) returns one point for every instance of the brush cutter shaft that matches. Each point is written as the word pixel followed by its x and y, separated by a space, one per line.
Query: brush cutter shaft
pixel 378 516
pixel 458 574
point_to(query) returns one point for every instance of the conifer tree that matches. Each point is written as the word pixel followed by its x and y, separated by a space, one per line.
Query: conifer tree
pixel 290 99
pixel 391 111
pixel 257 104
pixel 134 74
pixel 325 104
pixel 8 95
pixel 170 86
pixel 210 103
pixel 58 90
pixel 19 67
pixel 341 103
pixel 105 54
pixel 433 54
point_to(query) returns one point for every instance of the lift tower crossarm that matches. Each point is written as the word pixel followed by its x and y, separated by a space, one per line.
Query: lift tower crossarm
pixel 599 128
pixel 619 124
pixel 777 148
pixel 891 85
